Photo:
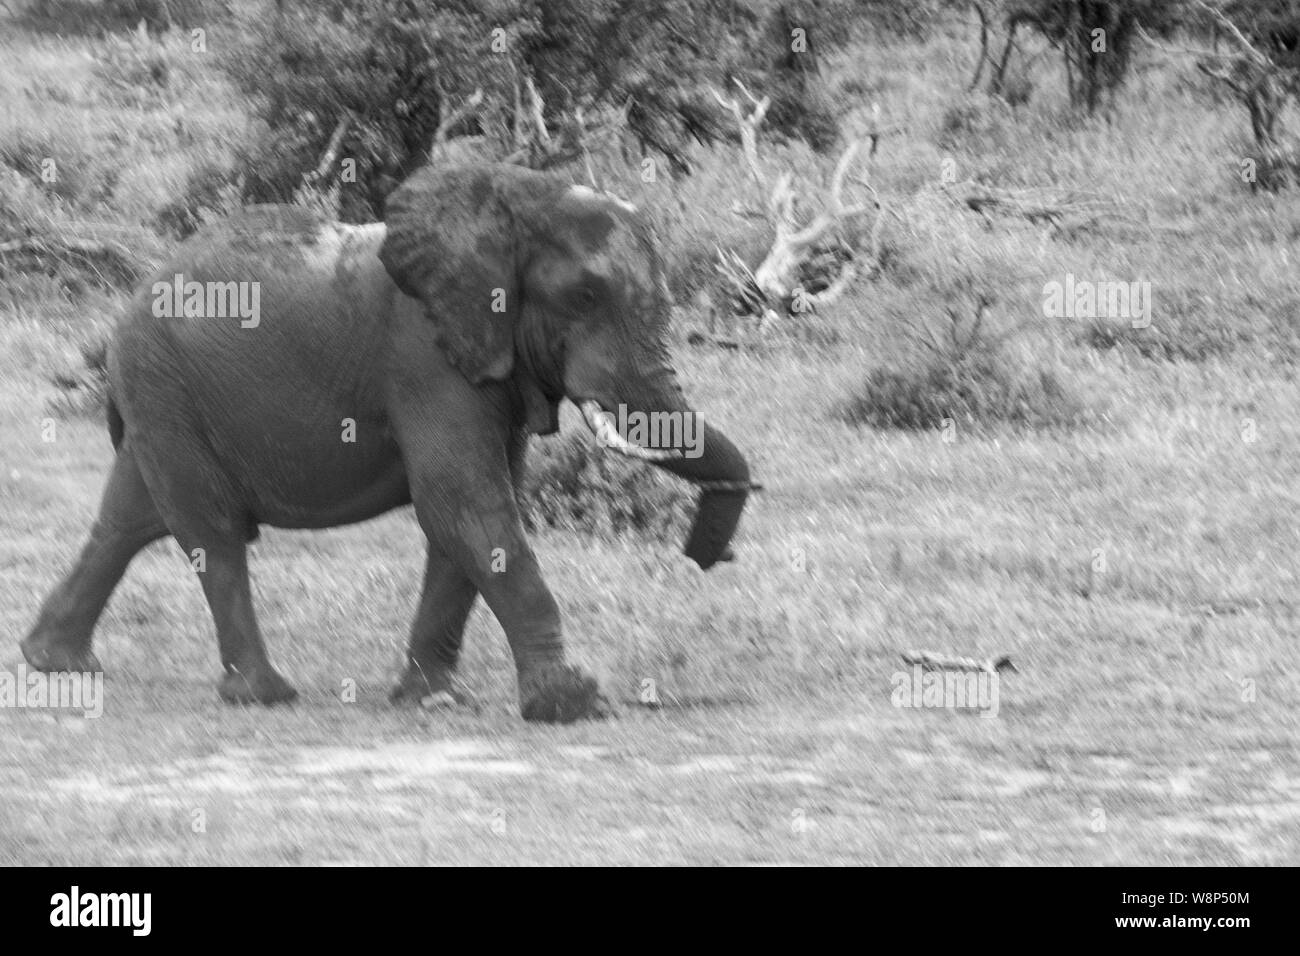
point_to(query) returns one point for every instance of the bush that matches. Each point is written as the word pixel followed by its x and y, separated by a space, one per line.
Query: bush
pixel 974 379
pixel 47 249
pixel 75 174
pixel 1186 341
pixel 1274 168
pixel 915 19
pixel 1096 39
pixel 211 190
pixel 395 69
pixel 571 485
pixel 133 69
pixel 803 113
pixel 91 18
pixel 978 123
pixel 390 66
pixel 83 392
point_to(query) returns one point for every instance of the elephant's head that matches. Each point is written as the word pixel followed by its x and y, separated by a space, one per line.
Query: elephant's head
pixel 558 290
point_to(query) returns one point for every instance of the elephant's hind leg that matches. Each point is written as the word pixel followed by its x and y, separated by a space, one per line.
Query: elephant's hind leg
pixel 249 677
pixel 210 524
pixel 127 521
pixel 220 558
pixel 445 603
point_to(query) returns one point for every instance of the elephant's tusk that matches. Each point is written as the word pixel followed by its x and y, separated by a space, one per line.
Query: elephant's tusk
pixel 602 426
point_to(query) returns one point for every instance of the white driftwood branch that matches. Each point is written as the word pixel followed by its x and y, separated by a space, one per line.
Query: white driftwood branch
pixel 450 118
pixel 777 274
pixel 748 124
pixel 537 109
pixel 1261 59
pixel 331 154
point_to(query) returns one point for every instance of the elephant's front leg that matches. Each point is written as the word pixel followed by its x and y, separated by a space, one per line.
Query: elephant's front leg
pixel 475 521
pixel 445 603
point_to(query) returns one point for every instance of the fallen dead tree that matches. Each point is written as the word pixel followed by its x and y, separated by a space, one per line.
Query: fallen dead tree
pixel 1063 211
pixel 108 263
pixel 811 260
pixel 815 261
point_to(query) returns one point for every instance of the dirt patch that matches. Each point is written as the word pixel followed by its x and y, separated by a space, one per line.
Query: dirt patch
pixel 307 774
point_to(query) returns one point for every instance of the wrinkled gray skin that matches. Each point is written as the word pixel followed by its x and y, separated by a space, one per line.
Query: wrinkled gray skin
pixel 220 428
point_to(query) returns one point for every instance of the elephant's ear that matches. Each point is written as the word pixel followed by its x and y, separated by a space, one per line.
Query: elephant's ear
pixel 450 244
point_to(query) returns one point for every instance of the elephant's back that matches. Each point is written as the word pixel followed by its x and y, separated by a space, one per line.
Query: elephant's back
pixel 282 381
pixel 269 277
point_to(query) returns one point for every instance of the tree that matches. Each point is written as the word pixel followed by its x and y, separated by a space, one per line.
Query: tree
pixel 1095 39
pixel 372 83
pixel 377 76
pixel 1260 63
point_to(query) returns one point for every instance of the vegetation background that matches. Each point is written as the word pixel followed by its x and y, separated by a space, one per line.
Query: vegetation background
pixel 945 467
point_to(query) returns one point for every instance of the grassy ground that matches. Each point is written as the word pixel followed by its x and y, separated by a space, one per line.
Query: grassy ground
pixel 1153 716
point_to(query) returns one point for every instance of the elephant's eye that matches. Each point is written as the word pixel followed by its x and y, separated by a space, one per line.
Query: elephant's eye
pixel 585 297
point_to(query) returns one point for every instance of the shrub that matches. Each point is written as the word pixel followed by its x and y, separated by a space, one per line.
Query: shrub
pixel 1096 40
pixel 45 246
pixel 972 378
pixel 1185 341
pixel 133 69
pixel 211 190
pixel 803 112
pixel 75 173
pixel 978 123
pixel 84 391
pixel 1273 167
pixel 95 17
pixel 394 70
pixel 571 485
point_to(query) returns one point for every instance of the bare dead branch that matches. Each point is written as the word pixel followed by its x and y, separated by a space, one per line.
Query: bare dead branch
pixel 599 135
pixel 834 212
pixel 537 109
pixel 111 262
pixel 447 122
pixel 748 124
pixel 984 44
pixel 1220 18
pixel 836 288
pixel 792 250
pixel 331 154
pixel 1225 78
pixel 1173 49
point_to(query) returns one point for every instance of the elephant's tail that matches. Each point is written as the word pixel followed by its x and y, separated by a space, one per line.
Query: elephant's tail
pixel 116 427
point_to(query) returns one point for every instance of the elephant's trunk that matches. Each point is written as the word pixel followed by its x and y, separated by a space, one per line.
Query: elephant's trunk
pixel 706 457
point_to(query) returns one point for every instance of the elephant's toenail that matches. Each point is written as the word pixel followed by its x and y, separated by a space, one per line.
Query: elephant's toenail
pixel 438 700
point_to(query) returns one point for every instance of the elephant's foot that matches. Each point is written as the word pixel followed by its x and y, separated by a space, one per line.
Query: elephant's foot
pixel 53 655
pixel 263 686
pixel 433 688
pixel 561 694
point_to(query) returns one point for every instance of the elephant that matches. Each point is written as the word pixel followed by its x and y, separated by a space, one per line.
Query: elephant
pixel 380 365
